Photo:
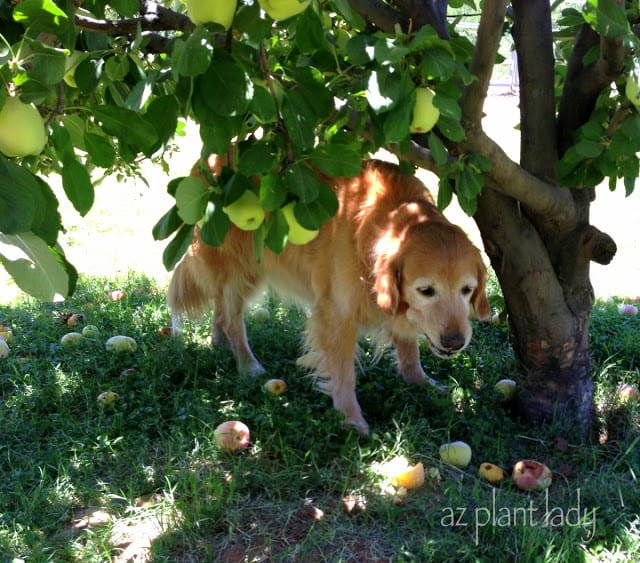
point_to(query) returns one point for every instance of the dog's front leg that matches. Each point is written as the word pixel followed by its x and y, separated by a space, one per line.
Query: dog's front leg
pixel 409 365
pixel 332 340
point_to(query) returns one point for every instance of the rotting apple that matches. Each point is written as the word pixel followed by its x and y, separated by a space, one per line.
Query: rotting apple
pixel 22 130
pixel 246 212
pixel 456 453
pixel 425 114
pixel 232 435
pixel 208 11
pixel 530 475
pixel 276 386
pixel 411 478
pixel 491 472
pixel 120 343
pixel 628 393
pixel 283 9
pixel 506 388
pixel 297 233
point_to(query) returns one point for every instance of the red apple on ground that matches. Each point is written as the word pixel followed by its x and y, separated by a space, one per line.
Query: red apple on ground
pixel 232 435
pixel 530 475
pixel 276 386
pixel 628 393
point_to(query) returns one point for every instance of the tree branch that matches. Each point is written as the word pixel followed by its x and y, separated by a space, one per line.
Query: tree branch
pixel 154 18
pixel 484 57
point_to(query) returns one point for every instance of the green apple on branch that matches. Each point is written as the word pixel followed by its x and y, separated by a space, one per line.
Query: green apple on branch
pixel 425 114
pixel 212 11
pixel 246 212
pixel 22 131
pixel 283 9
pixel 297 233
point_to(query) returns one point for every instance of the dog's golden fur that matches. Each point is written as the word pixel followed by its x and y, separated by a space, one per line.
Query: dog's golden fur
pixel 388 260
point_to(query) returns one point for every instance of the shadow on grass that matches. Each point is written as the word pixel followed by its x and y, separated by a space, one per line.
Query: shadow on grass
pixel 143 478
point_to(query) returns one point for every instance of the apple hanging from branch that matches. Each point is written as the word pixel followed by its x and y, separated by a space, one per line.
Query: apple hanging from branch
pixel 22 131
pixel 425 114
pixel 210 11
pixel 297 233
pixel 246 212
pixel 283 9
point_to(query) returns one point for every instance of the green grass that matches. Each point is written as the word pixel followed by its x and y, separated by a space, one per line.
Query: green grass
pixel 84 482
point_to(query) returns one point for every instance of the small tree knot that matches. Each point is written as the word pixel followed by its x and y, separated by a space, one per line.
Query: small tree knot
pixel 599 247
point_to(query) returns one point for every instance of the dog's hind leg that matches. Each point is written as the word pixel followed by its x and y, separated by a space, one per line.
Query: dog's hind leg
pixel 228 324
pixel 332 342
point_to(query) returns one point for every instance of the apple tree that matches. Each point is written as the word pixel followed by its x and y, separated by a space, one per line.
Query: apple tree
pixel 285 88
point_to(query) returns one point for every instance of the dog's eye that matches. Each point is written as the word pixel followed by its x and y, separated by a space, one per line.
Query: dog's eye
pixel 467 290
pixel 427 291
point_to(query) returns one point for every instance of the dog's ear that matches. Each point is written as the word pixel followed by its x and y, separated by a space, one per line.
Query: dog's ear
pixel 387 286
pixel 479 298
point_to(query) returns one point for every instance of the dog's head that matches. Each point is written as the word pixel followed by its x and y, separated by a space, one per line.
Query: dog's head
pixel 433 275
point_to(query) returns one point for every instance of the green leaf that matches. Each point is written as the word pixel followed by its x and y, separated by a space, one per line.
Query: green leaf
pixel 468 186
pixel 451 129
pixel 314 214
pixel 386 51
pixel 397 121
pixel 77 185
pixel 37 269
pixel 235 187
pixel 167 224
pixel 309 35
pixel 445 193
pixel 385 88
pixel 42 16
pixel 88 74
pixel 439 63
pixel 273 192
pixel 438 150
pixel 588 149
pixel 191 199
pixel 126 8
pixel 117 67
pixel 162 114
pixel 18 189
pixel 300 180
pixel 263 105
pixel 193 56
pixel 47 222
pixel 224 89
pixel 128 126
pixel 177 247
pixel 607 18
pixel 216 133
pixel 258 159
pixel 215 226
pixel 337 160
pixel 299 120
pixel 277 229
pixel 47 63
pixel 100 150
pixel 311 87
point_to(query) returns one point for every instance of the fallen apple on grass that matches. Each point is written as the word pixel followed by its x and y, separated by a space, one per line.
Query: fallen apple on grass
pixel 491 472
pixel 208 11
pixel 411 478
pixel 90 331
pixel 628 393
pixel 246 212
pixel 530 475
pixel 107 398
pixel 4 349
pixel 275 386
pixel 71 339
pixel 120 343
pixel 283 9
pixel 260 313
pixel 628 310
pixel 232 435
pixel 6 334
pixel 22 130
pixel 506 388
pixel 456 453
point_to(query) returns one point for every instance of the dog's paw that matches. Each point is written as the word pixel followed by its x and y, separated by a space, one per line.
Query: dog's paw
pixel 251 369
pixel 359 424
pixel 441 388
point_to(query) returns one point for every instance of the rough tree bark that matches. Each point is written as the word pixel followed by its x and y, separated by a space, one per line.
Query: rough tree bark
pixel 536 232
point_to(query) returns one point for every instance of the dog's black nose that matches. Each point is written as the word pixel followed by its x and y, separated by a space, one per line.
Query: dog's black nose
pixel 453 341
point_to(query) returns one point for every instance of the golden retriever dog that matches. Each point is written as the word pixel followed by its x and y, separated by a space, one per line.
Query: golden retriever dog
pixel 388 260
